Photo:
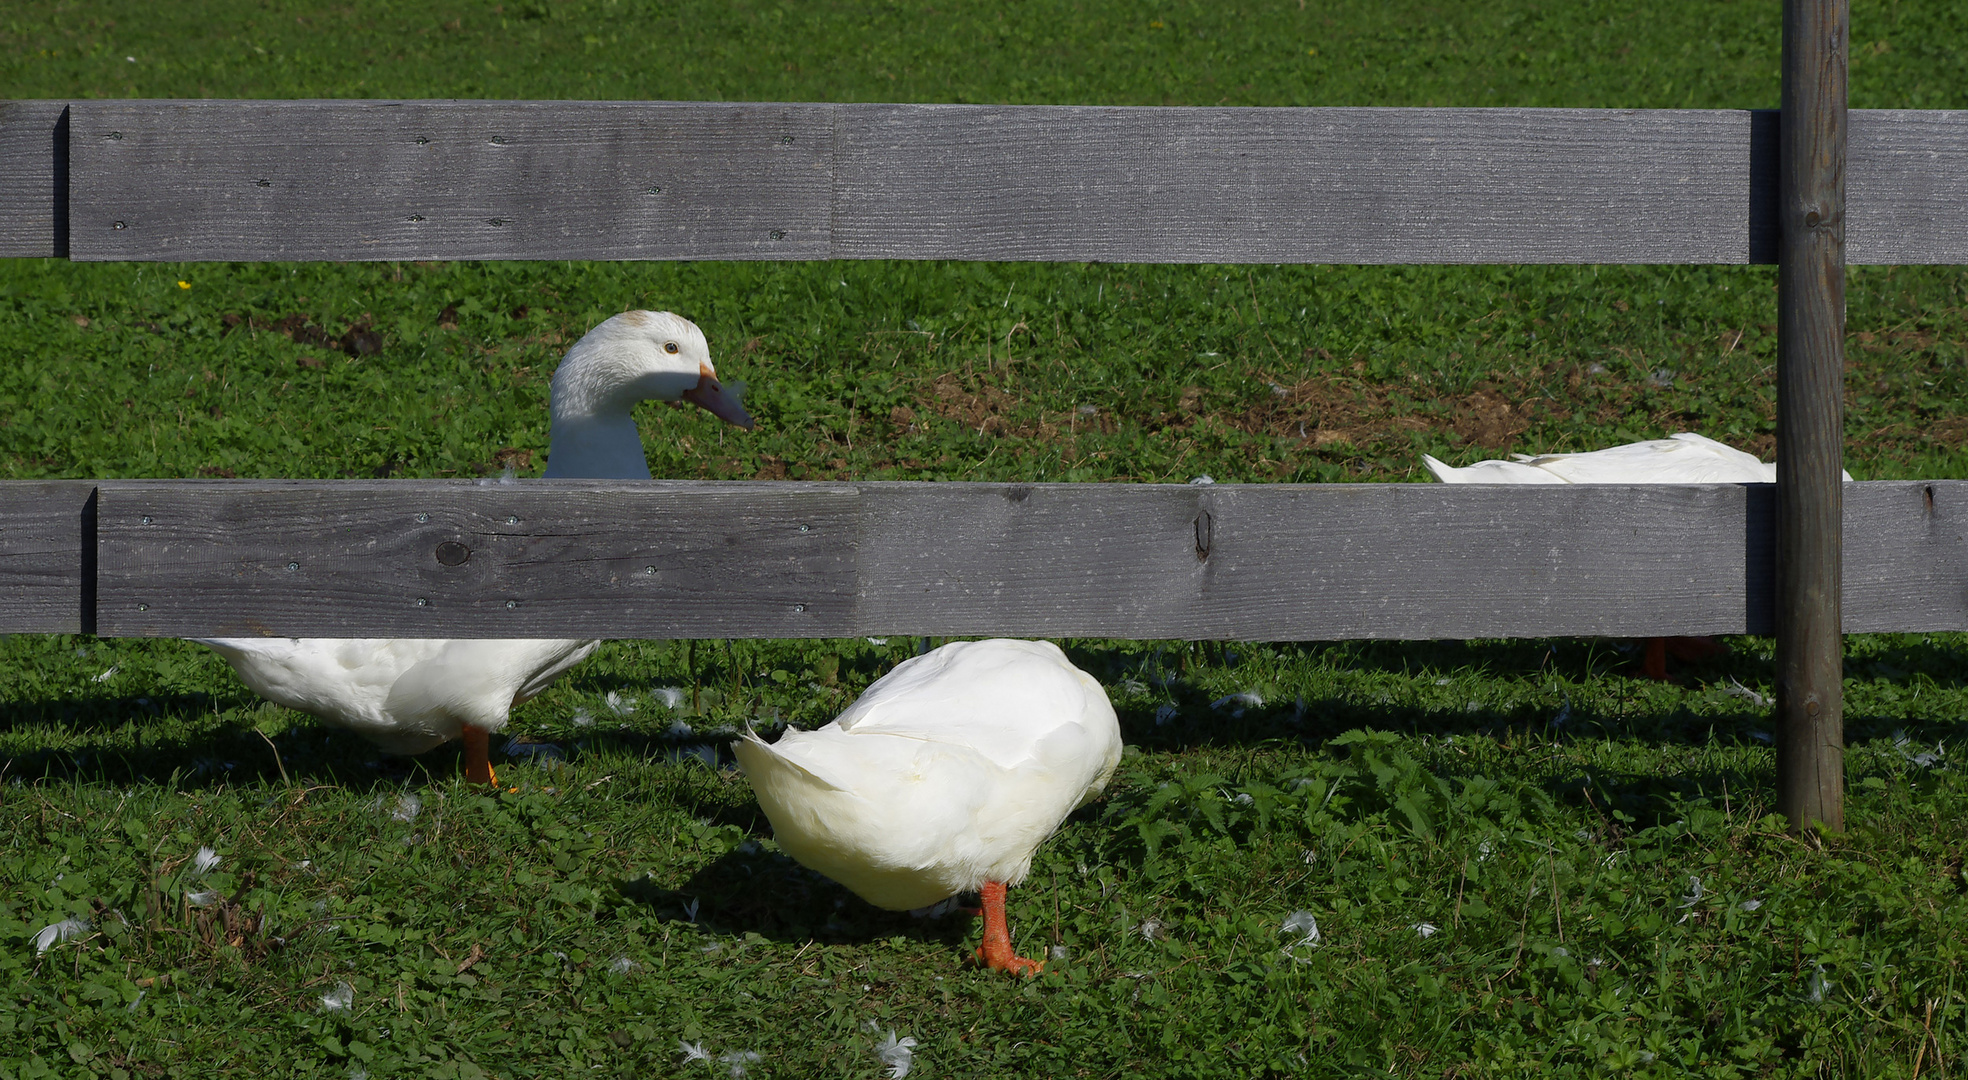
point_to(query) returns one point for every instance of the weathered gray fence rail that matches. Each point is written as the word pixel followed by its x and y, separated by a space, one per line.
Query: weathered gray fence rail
pixel 269 180
pixel 746 559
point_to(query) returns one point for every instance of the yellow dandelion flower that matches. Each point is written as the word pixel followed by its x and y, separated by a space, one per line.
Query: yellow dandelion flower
pixel 184 284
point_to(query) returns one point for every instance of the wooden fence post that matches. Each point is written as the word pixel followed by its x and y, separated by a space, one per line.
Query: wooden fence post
pixel 1811 414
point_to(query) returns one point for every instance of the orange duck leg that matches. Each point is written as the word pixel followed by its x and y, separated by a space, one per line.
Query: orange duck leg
pixel 996 951
pixel 478 758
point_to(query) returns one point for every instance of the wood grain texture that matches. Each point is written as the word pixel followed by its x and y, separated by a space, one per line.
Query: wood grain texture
pixel 536 180
pixel 1298 562
pixel 1906 187
pixel 47 550
pixel 1294 185
pixel 1283 562
pixel 33 179
pixel 352 180
pixel 1810 652
pixel 542 558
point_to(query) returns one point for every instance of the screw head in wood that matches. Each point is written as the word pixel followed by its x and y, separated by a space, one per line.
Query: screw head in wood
pixel 423 517
pixel 806 528
pixel 511 604
pixel 512 519
pixel 798 608
pixel 649 570
pixel 119 225
pixel 143 607
pixel 293 566
pixel 776 234
pixel 421 602
pixel 452 553
pixel 145 520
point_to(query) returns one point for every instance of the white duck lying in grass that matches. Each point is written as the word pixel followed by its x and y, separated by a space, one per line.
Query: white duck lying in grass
pixel 407 695
pixel 943 778
pixel 1686 458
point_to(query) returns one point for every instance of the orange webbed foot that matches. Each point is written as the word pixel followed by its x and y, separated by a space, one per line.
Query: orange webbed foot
pixel 996 951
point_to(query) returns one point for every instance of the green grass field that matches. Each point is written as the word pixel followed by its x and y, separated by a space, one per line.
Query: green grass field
pixel 1532 863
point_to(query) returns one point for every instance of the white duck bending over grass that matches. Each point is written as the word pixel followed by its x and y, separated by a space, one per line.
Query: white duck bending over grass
pixel 407 695
pixel 1685 458
pixel 943 778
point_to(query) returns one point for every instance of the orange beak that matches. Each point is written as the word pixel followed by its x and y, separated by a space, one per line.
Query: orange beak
pixel 711 396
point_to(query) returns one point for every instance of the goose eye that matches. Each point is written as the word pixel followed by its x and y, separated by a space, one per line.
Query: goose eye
pixel 669 346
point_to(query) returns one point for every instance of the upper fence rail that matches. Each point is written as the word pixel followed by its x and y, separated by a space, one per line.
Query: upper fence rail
pixel 370 180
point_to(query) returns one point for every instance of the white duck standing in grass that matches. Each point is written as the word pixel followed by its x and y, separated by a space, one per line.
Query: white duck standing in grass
pixel 1685 458
pixel 943 778
pixel 408 695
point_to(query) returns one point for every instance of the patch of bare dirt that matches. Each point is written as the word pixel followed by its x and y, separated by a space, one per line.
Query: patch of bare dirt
pixel 360 338
pixel 1951 432
pixel 1325 410
pixel 1892 340
pixel 506 458
pixel 1489 419
pixel 989 410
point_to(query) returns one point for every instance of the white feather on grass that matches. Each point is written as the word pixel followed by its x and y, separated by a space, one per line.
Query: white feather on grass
pixel 340 999
pixel 1304 923
pixel 54 933
pixel 897 1054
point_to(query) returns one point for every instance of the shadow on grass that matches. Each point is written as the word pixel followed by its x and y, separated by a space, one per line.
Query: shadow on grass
pixel 185 744
pixel 756 891
pixel 108 712
pixel 205 741
pixel 1198 721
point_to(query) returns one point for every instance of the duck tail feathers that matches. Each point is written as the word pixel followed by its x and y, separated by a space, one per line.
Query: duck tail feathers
pixel 759 759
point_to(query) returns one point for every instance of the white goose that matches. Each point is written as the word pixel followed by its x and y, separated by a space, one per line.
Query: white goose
pixel 407 695
pixel 1684 458
pixel 943 778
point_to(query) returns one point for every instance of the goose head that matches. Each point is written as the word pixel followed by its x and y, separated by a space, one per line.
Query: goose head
pixel 635 356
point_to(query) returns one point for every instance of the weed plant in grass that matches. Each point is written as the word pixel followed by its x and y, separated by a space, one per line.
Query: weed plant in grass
pixel 1516 857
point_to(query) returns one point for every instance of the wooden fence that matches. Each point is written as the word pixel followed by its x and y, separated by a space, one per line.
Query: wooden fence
pixel 441 558
pixel 350 180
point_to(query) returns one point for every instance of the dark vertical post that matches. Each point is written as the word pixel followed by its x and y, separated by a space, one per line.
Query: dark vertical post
pixel 1811 414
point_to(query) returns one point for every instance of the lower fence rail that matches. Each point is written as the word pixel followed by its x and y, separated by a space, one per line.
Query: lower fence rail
pixel 666 559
